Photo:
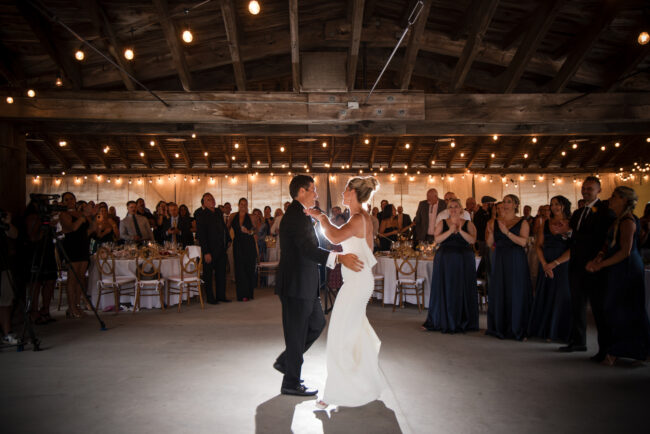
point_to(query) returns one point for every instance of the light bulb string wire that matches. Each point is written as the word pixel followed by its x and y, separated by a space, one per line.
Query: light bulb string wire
pixel 52 17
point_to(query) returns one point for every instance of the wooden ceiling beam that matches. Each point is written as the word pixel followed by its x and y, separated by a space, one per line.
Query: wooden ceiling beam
pixel 523 141
pixel 226 154
pixel 172 36
pixel 10 68
pixel 414 150
pixel 142 153
pixel 290 150
pixel 38 154
pixel 352 149
pixel 78 153
pixel 57 153
pixel 353 53
pixel 247 151
pixel 161 150
pixel 105 31
pixel 479 25
pixel 373 152
pixel 101 156
pixel 186 155
pixel 54 46
pixel 120 152
pixel 369 11
pixel 415 40
pixel 476 150
pixel 393 153
pixel 586 39
pixel 269 157
pixel 452 155
pixel 625 66
pixel 469 17
pixel 204 151
pixel 533 156
pixel 229 14
pixel 294 25
pixel 557 148
pixel 310 156
pixel 544 17
pixel 434 153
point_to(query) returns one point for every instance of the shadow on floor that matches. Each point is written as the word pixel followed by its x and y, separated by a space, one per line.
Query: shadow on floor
pixel 374 418
pixel 276 414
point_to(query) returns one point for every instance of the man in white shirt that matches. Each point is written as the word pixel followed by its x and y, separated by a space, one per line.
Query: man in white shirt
pixel 425 217
pixel 444 214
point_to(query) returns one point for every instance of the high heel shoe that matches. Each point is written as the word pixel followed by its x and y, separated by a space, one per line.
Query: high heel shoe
pixel 321 405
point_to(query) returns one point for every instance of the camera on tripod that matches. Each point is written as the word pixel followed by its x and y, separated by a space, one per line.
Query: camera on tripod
pixel 43 206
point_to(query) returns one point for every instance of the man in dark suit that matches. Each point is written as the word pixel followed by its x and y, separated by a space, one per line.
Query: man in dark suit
pixel 213 238
pixel 297 283
pixel 425 217
pixel 589 225
pixel 177 229
pixel 404 221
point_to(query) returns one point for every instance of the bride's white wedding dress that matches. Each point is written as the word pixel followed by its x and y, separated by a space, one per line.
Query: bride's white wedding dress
pixel 353 375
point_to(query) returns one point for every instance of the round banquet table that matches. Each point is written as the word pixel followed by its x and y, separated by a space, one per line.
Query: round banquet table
pixel 386 267
pixel 126 267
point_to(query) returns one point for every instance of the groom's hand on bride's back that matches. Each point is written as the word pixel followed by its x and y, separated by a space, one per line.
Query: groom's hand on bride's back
pixel 351 261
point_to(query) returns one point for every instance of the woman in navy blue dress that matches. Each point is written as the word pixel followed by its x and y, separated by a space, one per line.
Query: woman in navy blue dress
pixel 510 290
pixel 626 319
pixel 453 303
pixel 550 317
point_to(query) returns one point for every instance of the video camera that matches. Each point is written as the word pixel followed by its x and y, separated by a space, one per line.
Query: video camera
pixel 43 205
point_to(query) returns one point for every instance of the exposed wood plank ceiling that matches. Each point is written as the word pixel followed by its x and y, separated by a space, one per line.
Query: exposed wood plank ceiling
pixel 464 48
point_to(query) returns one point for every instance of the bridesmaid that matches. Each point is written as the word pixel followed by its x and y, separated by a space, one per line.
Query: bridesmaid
pixel 244 251
pixel 453 303
pixel 626 319
pixel 551 313
pixel 510 289
pixel 388 228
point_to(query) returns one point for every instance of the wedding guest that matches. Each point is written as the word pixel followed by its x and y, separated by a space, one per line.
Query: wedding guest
pixel 244 251
pixel 286 206
pixel 184 213
pixel 382 205
pixel 644 238
pixel 510 290
pixel 581 203
pixel 543 214
pixel 213 238
pixel 36 249
pixel 527 216
pixel 471 207
pixel 268 219
pixel 625 315
pixel 388 229
pixel 76 243
pixel 481 218
pixel 144 211
pixel 104 229
pixel 444 214
pixel 404 222
pixel 275 229
pixel 112 213
pixel 550 316
pixel 260 233
pixel 453 303
pixel 589 226
pixel 375 225
pixel 177 229
pixel 425 217
pixel 135 227
pixel 159 216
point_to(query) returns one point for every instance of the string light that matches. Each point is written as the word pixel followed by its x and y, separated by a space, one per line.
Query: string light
pixel 31 93
pixel 367 141
pixel 462 154
pixel 574 146
pixel 495 137
pixel 617 144
pixel 453 144
pixel 324 144
pixel 433 162
pixel 541 177
pixel 492 155
pixel 254 7
pixel 563 153
pixel 525 155
pixel 10 100
pixel 522 177
pixel 281 148
pixel 152 143
pixel 233 158
pixel 534 139
pixel 80 55
pixel 177 155
pixel 643 38
pixel 128 54
pixel 58 82
pixel 187 36
pixel 142 154
pixel 205 154
pixel 106 149
pixel 602 148
pixel 236 145
pixel 62 143
pixel 407 145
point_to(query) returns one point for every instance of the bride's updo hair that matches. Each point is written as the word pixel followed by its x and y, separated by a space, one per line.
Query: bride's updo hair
pixel 364 187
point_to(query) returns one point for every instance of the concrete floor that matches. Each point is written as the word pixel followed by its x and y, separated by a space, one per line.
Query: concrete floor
pixel 210 371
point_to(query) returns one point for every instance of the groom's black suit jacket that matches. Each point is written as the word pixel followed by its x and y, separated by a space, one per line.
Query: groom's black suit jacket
pixel 298 274
pixel 589 239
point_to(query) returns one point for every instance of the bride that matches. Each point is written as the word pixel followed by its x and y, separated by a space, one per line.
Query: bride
pixel 353 375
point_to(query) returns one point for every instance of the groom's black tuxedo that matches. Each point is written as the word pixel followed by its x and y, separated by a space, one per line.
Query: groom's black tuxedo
pixel 589 227
pixel 297 285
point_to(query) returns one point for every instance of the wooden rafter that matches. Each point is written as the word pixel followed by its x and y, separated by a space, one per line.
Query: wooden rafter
pixel 120 152
pixel 105 30
pixel 290 150
pixel 101 156
pixel 393 153
pixel 434 153
pixel 142 153
pixel 247 151
pixel 295 44
pixel 229 14
pixel 480 23
pixel 469 17
pixel 476 150
pixel 10 67
pixel 373 152
pixel 269 158
pixel 163 154
pixel 38 154
pixel 51 43
pixel 227 155
pixel 608 156
pixel 557 148
pixel 544 16
pixel 369 11
pixel 57 153
pixel 516 152
pixel 626 66
pixel 631 150
pixel 310 156
pixel 173 41
pixel 586 39
pixel 353 54
pixel 452 155
pixel 532 157
pixel 79 154
pixel 353 147
pixel 186 155
pixel 415 39
pixel 331 156
pixel 204 150
pixel 414 150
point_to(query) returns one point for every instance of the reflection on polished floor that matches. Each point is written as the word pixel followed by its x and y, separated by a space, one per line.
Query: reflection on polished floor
pixel 210 371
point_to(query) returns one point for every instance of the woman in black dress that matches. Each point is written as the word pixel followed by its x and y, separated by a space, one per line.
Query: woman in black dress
pixel 551 313
pixel 626 319
pixel 510 290
pixel 244 251
pixel 76 244
pixel 453 303
pixel 388 228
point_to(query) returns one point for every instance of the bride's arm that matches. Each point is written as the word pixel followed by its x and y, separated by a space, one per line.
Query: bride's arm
pixel 337 234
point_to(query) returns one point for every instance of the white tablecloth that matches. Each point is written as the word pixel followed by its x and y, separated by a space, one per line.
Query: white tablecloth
pixel 386 267
pixel 126 267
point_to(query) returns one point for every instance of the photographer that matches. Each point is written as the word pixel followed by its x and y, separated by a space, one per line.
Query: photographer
pixel 37 248
pixel 6 290
pixel 76 228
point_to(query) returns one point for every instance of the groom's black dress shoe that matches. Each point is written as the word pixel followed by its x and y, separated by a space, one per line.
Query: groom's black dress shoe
pixel 278 367
pixel 571 348
pixel 300 390
pixel 598 357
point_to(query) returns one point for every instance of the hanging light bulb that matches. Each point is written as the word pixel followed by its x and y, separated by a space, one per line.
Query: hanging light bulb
pixel 177 155
pixel 142 154
pixel 644 38
pixel 62 143
pixel 10 100
pixel 254 7
pixel 236 145
pixel 31 93
pixel 617 144
pixel 495 137
pixel 281 148
pixel 187 36
pixel 453 144
pixel 80 55
pixel 324 145
pixel 152 143
pixel 129 54
pixel 58 82
pixel 534 139
pixel 407 145
pixel 574 146
pixel 366 141
pixel 205 154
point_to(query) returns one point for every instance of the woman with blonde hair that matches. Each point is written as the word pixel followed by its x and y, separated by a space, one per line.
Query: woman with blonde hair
pixel 626 320
pixel 353 374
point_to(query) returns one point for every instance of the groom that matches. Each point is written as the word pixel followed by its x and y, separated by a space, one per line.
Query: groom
pixel 297 283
